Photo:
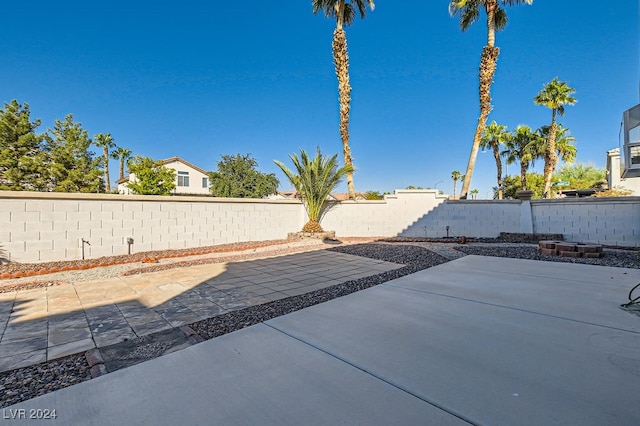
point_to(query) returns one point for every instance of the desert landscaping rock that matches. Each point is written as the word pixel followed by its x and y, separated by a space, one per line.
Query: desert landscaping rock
pixel 627 258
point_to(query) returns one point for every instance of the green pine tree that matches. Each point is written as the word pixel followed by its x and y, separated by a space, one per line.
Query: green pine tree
pixel 23 165
pixel 73 168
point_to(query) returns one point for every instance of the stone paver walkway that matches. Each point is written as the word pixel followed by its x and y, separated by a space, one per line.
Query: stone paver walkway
pixel 47 323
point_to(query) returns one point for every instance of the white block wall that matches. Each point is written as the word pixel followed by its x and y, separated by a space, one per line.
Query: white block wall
pixel 42 227
pixel 611 221
pixel 36 227
pixel 471 218
pixel 390 217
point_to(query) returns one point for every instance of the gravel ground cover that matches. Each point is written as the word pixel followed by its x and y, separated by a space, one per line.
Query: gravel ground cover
pixel 612 257
pixel 26 383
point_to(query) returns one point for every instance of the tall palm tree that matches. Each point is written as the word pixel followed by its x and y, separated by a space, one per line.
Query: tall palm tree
pixel 455 175
pixel 105 141
pixel 121 154
pixel 469 12
pixel 524 147
pixel 493 137
pixel 315 179
pixel 344 12
pixel 554 95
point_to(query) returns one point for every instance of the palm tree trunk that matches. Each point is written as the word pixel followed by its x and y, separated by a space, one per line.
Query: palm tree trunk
pixel 106 170
pixel 121 168
pixel 491 22
pixel 496 155
pixel 487 70
pixel 550 157
pixel 341 62
pixel 523 175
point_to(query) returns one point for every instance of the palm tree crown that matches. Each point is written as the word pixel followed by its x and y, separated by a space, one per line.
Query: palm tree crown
pixel 343 11
pixel 121 154
pixel 455 175
pixel 565 148
pixel 315 179
pixel 524 147
pixel 555 95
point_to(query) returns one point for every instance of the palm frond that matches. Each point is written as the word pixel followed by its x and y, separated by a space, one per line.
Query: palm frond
pixel 500 19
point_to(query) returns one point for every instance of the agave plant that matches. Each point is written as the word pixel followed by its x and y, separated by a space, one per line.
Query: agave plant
pixel 315 179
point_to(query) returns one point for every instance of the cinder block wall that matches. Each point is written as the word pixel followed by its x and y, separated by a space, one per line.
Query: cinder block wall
pixel 390 217
pixel 611 221
pixel 471 218
pixel 49 226
pixel 36 227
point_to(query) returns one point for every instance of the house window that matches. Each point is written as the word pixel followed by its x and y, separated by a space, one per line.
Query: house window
pixel 205 182
pixel 634 156
pixel 183 178
pixel 634 134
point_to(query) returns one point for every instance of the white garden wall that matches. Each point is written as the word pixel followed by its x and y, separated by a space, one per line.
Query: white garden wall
pixel 50 226
pixel 477 218
pixel 390 217
pixel 612 221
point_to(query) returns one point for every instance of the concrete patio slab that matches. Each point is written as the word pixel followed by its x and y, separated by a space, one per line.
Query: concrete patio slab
pixel 436 347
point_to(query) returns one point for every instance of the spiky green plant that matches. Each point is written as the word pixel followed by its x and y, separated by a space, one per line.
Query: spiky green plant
pixel 315 179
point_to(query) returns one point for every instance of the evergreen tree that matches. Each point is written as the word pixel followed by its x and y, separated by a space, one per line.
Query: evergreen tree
pixel 22 161
pixel 72 167
pixel 237 177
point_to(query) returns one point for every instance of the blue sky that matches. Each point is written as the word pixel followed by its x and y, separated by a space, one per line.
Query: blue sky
pixel 200 79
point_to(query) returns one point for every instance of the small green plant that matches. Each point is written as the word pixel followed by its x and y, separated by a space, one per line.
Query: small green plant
pixel 315 179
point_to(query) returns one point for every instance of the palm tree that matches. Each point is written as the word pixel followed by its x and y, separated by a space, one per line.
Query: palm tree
pixel 105 141
pixel 455 175
pixel 555 95
pixel 314 181
pixel 493 137
pixel 469 12
pixel 565 148
pixel 474 194
pixel 344 13
pixel 523 146
pixel 121 154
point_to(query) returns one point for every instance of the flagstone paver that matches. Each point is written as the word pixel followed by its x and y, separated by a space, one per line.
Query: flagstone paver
pixel 46 323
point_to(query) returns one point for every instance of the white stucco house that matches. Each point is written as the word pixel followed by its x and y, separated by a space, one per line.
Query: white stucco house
pixel 190 179
pixel 623 164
